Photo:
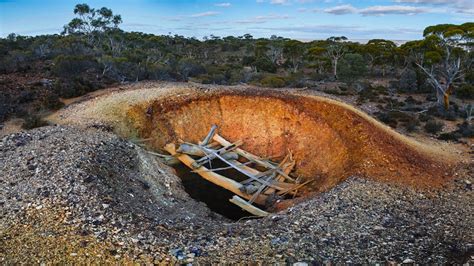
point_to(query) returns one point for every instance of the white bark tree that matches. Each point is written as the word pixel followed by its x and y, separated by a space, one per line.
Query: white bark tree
pixel 441 59
pixel 335 50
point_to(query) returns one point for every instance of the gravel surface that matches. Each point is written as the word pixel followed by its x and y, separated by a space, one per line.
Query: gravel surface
pixel 85 195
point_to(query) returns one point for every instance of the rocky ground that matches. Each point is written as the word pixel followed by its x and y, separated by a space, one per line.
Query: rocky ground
pixel 85 195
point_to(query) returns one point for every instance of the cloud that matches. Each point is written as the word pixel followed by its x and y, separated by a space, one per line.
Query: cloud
pixel 466 11
pixel 223 4
pixel 261 19
pixel 386 10
pixel 376 10
pixel 346 30
pixel 458 3
pixel 274 2
pixel 204 14
pixel 288 2
pixel 279 2
pixel 341 10
pixel 459 6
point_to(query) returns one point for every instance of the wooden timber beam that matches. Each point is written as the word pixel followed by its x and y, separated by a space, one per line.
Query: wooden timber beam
pixel 251 157
pixel 265 182
pixel 215 178
pixel 248 207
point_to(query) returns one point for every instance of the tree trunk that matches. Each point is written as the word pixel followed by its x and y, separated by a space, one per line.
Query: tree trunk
pixel 335 69
pixel 442 99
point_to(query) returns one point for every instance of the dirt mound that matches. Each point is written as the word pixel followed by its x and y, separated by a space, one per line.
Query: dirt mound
pixel 75 195
pixel 66 189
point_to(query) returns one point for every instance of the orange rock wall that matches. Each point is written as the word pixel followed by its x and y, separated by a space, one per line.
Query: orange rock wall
pixel 329 141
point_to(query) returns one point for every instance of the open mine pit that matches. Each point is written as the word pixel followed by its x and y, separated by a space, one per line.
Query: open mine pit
pixel 321 162
pixel 328 140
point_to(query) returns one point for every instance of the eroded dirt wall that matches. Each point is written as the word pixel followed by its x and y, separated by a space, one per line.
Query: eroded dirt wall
pixel 329 140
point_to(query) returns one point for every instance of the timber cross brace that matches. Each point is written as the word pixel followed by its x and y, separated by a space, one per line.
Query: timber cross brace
pixel 262 187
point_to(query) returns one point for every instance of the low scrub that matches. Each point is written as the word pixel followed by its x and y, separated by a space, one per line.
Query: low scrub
pixel 433 126
pixel 466 91
pixel 273 82
pixel 33 121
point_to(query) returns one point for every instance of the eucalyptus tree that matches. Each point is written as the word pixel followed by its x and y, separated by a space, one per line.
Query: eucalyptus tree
pixel 275 51
pixel 443 56
pixel 91 22
pixel 335 50
pixel 380 52
pixel 294 51
pixel 316 54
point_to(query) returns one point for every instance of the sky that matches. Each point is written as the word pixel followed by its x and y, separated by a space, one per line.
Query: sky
pixel 297 19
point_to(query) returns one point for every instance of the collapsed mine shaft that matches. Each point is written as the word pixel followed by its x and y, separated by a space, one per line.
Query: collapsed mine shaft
pixel 329 140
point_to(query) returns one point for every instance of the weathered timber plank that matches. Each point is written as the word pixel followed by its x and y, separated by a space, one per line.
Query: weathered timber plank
pixel 215 178
pixel 248 207
pixel 252 157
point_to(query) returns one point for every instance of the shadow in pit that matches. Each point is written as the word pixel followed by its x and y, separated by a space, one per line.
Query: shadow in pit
pixel 215 197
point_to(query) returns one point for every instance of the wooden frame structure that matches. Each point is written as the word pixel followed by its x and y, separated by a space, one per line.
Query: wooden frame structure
pixel 260 187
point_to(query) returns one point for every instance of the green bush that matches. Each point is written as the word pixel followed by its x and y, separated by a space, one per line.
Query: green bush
pixel 433 127
pixel 264 64
pixel 352 67
pixel 273 82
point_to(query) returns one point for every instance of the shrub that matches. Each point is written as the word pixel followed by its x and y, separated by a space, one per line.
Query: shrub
pixel 296 80
pixel 470 76
pixel 69 88
pixel 33 121
pixel 433 127
pixel 466 91
pixel 466 130
pixel 69 66
pixel 4 111
pixel 272 82
pixel 52 102
pixel 424 117
pixel 453 136
pixel 408 81
pixel 372 94
pixel 190 68
pixel 412 124
pixel 265 64
pixel 26 96
pixel 387 118
pixel 352 67
pixel 212 79
pixel 411 100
